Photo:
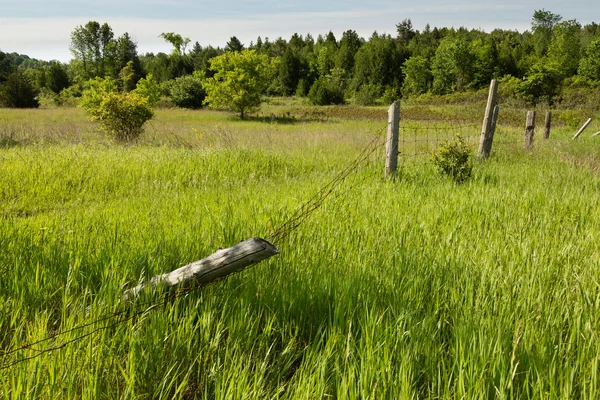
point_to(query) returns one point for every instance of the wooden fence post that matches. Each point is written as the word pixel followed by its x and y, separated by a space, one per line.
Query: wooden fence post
pixel 547 125
pixel 580 131
pixel 529 129
pixel 489 124
pixel 214 267
pixel 391 146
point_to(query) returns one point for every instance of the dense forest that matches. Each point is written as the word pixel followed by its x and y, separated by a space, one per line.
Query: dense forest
pixel 555 61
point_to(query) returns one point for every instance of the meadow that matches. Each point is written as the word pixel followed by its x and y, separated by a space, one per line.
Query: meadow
pixel 409 288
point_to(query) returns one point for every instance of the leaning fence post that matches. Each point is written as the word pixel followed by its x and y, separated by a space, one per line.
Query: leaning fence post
pixel 580 131
pixel 489 123
pixel 529 130
pixel 547 125
pixel 391 146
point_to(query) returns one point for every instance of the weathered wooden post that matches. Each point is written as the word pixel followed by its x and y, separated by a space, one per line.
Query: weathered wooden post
pixel 580 131
pixel 547 125
pixel 218 265
pixel 391 146
pixel 489 124
pixel 529 129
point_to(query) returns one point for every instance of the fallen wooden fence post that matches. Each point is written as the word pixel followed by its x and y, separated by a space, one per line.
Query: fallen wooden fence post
pixel 580 131
pixel 529 130
pixel 218 265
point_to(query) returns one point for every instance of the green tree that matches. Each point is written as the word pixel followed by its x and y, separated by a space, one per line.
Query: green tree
pixel 96 90
pixel 128 77
pixel 405 32
pixel 6 66
pixel 452 65
pixel 417 75
pixel 542 82
pixel 91 46
pixel 179 42
pixel 148 88
pixel 239 81
pixel 542 25
pixel 565 49
pixel 589 66
pixel 18 92
pixel 57 78
pixel 234 45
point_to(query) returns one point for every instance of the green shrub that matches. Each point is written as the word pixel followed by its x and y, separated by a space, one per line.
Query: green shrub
pixel 95 91
pixel 390 95
pixel 367 95
pixel 323 93
pixel 122 115
pixel 453 158
pixel 187 92
pixel 148 87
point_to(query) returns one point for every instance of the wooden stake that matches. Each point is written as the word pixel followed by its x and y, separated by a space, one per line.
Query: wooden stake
pixel 547 125
pixel 529 130
pixel 209 269
pixel 391 147
pixel 580 131
pixel 488 127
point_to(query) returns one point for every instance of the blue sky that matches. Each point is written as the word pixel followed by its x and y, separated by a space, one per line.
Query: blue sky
pixel 41 28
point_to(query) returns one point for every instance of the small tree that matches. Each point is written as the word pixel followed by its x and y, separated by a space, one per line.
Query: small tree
pixel 122 115
pixel 187 91
pixel 240 80
pixel 148 87
pixel 18 92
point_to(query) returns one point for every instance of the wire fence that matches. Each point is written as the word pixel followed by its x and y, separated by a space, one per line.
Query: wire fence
pixel 418 140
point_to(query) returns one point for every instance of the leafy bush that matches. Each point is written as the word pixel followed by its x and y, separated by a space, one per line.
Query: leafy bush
pixel 453 158
pixel 122 115
pixel 367 95
pixel 148 87
pixel 96 90
pixel 390 95
pixel 187 92
pixel 323 93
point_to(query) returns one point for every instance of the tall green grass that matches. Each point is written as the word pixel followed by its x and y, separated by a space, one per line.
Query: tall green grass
pixel 413 288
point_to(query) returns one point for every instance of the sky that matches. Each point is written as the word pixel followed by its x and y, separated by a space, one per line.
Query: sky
pixel 41 28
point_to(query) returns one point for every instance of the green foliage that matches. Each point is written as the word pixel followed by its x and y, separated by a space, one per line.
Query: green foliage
pixel 122 115
pixel 96 90
pixel 187 91
pixel 390 95
pixel 148 88
pixel 18 92
pixel 417 75
pixel 325 92
pixel 453 158
pixel 179 42
pixel 128 77
pixel 565 48
pixel 367 95
pixel 589 65
pixel 452 66
pixel 239 81
pixel 542 83
pixel 542 24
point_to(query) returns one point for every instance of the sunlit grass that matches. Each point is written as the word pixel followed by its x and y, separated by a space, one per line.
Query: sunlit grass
pixel 413 288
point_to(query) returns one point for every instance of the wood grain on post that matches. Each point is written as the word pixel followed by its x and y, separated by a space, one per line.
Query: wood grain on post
pixel 487 129
pixel 580 131
pixel 218 265
pixel 391 146
pixel 529 130
pixel 547 125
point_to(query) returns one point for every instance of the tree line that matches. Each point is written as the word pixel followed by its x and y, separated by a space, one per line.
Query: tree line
pixel 537 65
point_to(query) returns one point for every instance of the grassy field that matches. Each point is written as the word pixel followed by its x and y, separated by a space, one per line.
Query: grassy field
pixel 412 288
